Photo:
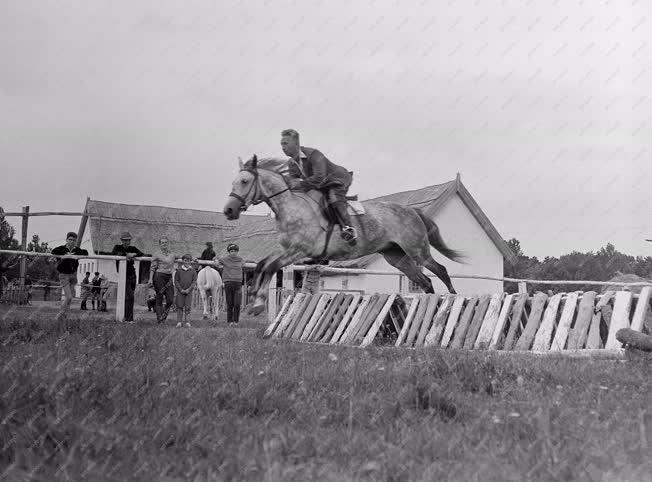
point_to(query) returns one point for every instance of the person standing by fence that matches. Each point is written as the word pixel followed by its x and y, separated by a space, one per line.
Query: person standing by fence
pixel 160 278
pixel 185 280
pixel 6 264
pixel 67 269
pixel 131 252
pixel 232 265
pixel 85 290
pixel 95 290
pixel 209 253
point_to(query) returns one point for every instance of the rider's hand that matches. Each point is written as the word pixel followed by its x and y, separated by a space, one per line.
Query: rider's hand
pixel 295 184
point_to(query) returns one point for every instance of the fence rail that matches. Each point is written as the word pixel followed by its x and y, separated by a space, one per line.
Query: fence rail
pixel 276 295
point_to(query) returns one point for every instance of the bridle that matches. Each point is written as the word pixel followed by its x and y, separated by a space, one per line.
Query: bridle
pixel 256 198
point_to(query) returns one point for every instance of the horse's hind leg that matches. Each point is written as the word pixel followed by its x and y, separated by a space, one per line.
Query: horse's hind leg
pixel 215 303
pixel 440 271
pixel 204 302
pixel 422 256
pixel 397 258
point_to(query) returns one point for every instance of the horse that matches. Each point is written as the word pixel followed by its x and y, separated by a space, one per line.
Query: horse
pixel 401 234
pixel 209 284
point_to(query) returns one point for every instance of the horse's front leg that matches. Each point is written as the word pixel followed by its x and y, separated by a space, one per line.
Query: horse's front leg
pixel 258 272
pixel 269 268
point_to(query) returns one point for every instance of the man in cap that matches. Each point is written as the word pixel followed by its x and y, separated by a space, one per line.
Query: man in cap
pixel 131 252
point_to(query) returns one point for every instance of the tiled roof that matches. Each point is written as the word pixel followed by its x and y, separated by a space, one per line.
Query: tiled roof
pixel 418 197
pixel 187 229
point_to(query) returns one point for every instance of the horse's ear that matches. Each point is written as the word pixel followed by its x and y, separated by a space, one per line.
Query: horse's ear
pixel 240 163
pixel 254 161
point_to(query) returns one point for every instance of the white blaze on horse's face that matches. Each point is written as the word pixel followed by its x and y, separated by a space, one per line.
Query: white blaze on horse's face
pixel 242 192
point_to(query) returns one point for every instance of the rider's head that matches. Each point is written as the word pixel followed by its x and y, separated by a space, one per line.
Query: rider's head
pixel 290 142
pixel 232 248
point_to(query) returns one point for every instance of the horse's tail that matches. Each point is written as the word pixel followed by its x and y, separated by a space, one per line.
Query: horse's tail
pixel 435 238
pixel 203 281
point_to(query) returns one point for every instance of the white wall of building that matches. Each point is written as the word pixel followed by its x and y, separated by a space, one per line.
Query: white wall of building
pixel 462 232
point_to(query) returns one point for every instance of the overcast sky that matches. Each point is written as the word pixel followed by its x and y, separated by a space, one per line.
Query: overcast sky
pixel 543 106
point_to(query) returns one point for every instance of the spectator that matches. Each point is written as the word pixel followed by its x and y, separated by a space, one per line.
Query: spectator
pixel 231 265
pixel 28 290
pixel 131 252
pixel 67 269
pixel 160 278
pixel 104 291
pixel 6 264
pixel 208 254
pixel 85 290
pixel 46 290
pixel 185 279
pixel 95 290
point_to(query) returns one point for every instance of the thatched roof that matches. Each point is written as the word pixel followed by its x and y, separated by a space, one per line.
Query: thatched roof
pixel 187 229
pixel 256 240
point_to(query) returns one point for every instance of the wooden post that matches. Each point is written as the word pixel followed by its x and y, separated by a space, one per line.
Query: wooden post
pixel 23 241
pixel 288 278
pixel 82 224
pixel 522 287
pixel 271 300
pixel 120 296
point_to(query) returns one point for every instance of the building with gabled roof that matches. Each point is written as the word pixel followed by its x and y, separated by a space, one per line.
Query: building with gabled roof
pixel 462 223
pixel 463 226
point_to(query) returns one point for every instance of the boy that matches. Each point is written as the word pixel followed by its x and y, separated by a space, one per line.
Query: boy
pixel 104 291
pixel 95 290
pixel 85 290
pixel 67 269
pixel 185 279
pixel 231 265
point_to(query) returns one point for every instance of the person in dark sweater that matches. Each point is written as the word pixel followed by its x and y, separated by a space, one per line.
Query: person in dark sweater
pixel 209 253
pixel 185 279
pixel 231 266
pixel 85 290
pixel 95 290
pixel 131 252
pixel 67 269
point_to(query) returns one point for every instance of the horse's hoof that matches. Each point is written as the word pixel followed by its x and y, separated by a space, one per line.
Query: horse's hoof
pixel 257 310
pixel 204 317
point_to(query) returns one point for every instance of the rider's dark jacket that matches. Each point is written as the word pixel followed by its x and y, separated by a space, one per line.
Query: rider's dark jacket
pixel 318 171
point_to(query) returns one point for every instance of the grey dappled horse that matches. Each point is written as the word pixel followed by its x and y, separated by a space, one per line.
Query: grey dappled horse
pixel 403 235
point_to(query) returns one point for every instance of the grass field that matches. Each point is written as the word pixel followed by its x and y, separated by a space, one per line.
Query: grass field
pixel 91 399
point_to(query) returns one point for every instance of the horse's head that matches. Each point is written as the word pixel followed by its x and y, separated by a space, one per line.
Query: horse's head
pixel 255 183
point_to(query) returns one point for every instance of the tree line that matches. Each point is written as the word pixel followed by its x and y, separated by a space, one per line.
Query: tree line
pixel 601 265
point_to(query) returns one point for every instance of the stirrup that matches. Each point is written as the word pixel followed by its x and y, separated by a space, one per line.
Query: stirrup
pixel 348 233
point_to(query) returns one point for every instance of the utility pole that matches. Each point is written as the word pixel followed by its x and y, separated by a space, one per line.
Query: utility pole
pixel 23 240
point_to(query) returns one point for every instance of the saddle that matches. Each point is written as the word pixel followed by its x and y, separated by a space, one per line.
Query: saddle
pixel 328 217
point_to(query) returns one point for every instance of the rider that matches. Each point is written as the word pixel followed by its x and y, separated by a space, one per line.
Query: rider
pixel 312 170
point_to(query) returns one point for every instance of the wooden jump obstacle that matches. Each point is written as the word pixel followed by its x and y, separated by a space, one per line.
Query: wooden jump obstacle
pixel 508 322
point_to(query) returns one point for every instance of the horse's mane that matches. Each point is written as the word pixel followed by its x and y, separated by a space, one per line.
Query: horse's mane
pixel 276 164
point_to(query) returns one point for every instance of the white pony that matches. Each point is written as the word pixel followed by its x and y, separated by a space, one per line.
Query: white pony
pixel 209 283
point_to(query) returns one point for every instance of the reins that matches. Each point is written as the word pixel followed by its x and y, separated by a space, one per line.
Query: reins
pixel 256 184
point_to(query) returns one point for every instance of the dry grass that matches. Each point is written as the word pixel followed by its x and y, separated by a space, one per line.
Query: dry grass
pixel 93 400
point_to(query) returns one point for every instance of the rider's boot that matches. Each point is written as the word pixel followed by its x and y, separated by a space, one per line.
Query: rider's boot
pixel 349 233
